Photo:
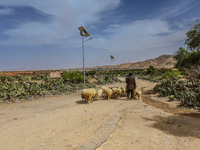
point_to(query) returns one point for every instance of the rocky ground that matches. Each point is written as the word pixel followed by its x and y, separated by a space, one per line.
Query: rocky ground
pixel 65 122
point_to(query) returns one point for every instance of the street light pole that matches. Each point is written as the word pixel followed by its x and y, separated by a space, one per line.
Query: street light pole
pixel 103 68
pixel 112 66
pixel 83 33
pixel 83 59
pixel 84 56
pixel 111 57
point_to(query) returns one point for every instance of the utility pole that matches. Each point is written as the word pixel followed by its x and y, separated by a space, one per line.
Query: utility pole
pixel 112 58
pixel 83 33
pixel 103 67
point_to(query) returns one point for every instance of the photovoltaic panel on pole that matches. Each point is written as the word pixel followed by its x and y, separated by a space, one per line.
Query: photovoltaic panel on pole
pixel 83 31
pixel 111 56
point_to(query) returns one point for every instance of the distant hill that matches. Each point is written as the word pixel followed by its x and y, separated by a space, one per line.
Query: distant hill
pixel 165 61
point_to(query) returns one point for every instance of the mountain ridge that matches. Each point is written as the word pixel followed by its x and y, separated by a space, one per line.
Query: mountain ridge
pixel 166 61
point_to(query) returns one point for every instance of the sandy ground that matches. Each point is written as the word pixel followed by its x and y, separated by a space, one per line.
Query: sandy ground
pixel 65 123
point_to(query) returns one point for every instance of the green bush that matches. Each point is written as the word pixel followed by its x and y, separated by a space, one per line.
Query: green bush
pixel 26 89
pixel 151 70
pixel 74 76
pixel 90 73
pixel 107 79
pixel 179 90
pixel 171 74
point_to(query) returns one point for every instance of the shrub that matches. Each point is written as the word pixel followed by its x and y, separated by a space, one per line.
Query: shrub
pixel 171 74
pixel 151 70
pixel 90 73
pixel 74 76
pixel 178 90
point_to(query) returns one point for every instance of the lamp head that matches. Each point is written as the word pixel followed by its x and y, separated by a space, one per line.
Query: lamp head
pixel 83 32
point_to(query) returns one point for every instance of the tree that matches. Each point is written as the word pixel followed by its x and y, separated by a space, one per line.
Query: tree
pixel 181 55
pixel 151 70
pixel 190 57
pixel 193 36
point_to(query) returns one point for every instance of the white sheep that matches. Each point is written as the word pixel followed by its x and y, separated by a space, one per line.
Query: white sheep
pixel 124 91
pixel 99 94
pixel 104 89
pixel 117 92
pixel 138 93
pixel 83 95
pixel 108 93
pixel 88 94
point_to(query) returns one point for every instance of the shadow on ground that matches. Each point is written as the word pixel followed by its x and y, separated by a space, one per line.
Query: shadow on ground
pixel 176 125
pixel 81 102
pixel 194 115
pixel 103 99
pixel 148 91
pixel 183 111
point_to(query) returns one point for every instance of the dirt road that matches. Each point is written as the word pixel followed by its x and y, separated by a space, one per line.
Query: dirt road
pixel 65 123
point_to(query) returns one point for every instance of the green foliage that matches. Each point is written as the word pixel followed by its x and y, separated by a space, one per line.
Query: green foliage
pixel 90 73
pixel 19 78
pixel 150 78
pixel 25 89
pixel 179 90
pixel 186 58
pixel 194 58
pixel 124 72
pixel 107 79
pixel 151 70
pixel 74 76
pixel 166 87
pixel 171 74
pixel 193 36
pixel 181 56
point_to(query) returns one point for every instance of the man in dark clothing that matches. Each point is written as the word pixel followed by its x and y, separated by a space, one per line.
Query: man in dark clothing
pixel 131 84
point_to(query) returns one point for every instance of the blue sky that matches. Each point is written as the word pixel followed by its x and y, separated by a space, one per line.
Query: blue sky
pixel 43 35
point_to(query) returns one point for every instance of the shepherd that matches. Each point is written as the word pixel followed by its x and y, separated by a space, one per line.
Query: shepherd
pixel 130 85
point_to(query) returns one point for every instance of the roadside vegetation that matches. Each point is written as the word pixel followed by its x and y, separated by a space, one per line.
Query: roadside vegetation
pixel 188 63
pixel 14 88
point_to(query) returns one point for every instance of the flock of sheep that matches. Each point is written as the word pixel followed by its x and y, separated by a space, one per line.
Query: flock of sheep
pixel 90 94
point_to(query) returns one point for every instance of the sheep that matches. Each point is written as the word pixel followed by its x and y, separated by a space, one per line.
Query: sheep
pixel 114 89
pixel 83 95
pixel 99 94
pixel 108 93
pixel 124 91
pixel 138 93
pixel 88 94
pixel 104 88
pixel 117 92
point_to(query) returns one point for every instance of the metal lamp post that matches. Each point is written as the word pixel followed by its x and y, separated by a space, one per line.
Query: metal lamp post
pixel 83 33
pixel 103 68
pixel 111 57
